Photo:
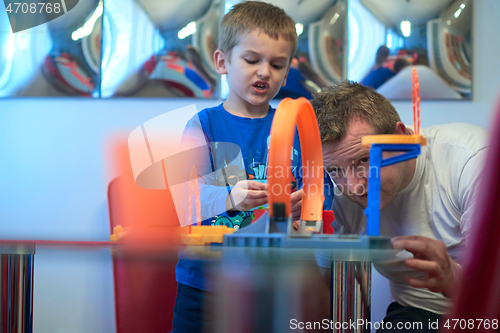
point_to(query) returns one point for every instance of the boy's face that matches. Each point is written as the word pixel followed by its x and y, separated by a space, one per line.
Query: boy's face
pixel 257 69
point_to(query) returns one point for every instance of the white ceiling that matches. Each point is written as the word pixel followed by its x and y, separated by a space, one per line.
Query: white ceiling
pixel 392 12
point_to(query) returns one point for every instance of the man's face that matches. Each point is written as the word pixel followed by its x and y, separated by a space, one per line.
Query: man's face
pixel 348 163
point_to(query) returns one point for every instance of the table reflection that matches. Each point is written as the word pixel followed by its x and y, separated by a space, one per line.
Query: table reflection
pixel 320 56
pixel 156 50
pixel 435 36
pixel 59 58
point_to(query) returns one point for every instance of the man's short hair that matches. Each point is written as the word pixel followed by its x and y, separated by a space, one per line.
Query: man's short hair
pixel 335 106
pixel 247 16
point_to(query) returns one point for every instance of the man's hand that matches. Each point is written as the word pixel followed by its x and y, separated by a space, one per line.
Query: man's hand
pixel 245 195
pixel 431 257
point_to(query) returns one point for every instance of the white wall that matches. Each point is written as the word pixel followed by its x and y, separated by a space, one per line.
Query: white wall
pixel 53 181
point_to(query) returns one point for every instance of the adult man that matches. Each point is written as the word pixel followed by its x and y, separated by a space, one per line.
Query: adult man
pixel 426 203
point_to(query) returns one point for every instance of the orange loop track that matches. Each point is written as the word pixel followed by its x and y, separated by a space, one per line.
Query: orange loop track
pixel 291 113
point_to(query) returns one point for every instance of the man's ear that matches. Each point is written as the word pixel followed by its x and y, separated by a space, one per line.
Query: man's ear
pixel 220 62
pixel 402 130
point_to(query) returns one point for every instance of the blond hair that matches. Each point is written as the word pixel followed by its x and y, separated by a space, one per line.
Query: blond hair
pixel 337 105
pixel 247 16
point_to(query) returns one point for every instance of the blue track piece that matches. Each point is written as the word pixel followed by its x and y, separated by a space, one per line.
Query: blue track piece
pixel 372 212
pixel 311 241
pixel 264 233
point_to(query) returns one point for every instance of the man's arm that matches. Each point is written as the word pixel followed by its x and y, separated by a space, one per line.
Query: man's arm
pixel 468 187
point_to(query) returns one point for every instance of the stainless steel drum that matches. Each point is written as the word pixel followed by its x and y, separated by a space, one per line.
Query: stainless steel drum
pixel 351 296
pixel 16 289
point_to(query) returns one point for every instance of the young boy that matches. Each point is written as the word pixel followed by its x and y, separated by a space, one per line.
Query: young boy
pixel 256 44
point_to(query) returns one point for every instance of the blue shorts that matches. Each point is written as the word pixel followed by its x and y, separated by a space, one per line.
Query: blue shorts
pixel 193 311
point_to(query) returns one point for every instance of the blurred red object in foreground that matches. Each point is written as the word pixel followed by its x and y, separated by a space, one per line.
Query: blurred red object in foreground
pixel 478 297
pixel 145 287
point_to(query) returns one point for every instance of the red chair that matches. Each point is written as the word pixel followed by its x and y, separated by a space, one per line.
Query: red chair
pixel 145 289
pixel 479 292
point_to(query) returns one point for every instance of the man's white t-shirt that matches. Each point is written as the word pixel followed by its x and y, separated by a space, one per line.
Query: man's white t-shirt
pixel 438 203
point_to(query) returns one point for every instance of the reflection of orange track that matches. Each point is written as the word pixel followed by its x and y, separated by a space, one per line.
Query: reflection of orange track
pixel 415 88
pixel 290 113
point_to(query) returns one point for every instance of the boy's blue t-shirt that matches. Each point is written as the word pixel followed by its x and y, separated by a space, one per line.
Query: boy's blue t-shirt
pixel 251 135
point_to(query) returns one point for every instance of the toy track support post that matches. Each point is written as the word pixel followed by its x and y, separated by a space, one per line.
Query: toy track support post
pixel 372 211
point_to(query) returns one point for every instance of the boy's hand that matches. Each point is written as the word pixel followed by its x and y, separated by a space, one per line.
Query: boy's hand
pixel 297 204
pixel 245 195
pixel 296 208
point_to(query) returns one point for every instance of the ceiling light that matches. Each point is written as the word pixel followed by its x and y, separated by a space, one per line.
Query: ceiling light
pixel 406 28
pixel 334 18
pixel 89 25
pixel 299 28
pixel 188 30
